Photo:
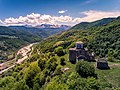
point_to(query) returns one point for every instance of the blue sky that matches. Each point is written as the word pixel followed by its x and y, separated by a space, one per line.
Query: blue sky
pixel 74 9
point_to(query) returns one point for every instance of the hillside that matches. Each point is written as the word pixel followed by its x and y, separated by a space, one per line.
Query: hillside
pixel 43 30
pixel 14 37
pixel 49 69
pixel 103 39
pixel 86 25
pixel 11 40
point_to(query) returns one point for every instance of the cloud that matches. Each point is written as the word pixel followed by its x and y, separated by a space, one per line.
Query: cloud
pixel 93 15
pixel 88 1
pixel 62 11
pixel 37 19
pixel 1 23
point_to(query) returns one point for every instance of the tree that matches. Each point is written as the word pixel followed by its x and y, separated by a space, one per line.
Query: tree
pixel 41 63
pixel 30 73
pixel 85 69
pixel 54 85
pixel 7 83
pixel 92 84
pixel 59 51
pixel 39 79
pixel 21 85
pixel 51 64
pixel 58 71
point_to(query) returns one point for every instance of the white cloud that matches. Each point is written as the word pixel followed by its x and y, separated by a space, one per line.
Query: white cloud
pixel 93 15
pixel 37 19
pixel 88 2
pixel 62 11
pixel 1 23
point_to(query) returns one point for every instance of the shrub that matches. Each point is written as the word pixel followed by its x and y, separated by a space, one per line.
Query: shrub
pixel 51 64
pixel 30 73
pixel 92 84
pixel 59 51
pixel 85 69
pixel 110 59
pixel 58 71
pixel 41 63
pixel 62 61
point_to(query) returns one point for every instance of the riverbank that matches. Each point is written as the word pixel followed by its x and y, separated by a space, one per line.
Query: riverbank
pixel 23 52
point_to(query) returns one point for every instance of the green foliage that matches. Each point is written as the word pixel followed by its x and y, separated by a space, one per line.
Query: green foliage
pixel 111 59
pixel 62 61
pixel 41 63
pixel 59 51
pixel 75 82
pixel 56 86
pixel 85 69
pixel 33 58
pixel 39 79
pixel 30 73
pixel 21 85
pixel 92 84
pixel 7 82
pixel 58 71
pixel 51 64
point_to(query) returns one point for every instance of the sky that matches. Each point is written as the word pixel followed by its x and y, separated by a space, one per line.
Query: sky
pixel 68 12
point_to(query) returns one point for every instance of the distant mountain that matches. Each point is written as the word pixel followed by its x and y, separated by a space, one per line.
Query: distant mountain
pixel 48 26
pixel 43 30
pixel 32 30
pixel 86 25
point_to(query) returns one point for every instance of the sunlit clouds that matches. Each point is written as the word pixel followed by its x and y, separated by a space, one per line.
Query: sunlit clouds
pixel 37 19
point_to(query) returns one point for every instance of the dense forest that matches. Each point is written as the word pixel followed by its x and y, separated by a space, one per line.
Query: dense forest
pixel 49 69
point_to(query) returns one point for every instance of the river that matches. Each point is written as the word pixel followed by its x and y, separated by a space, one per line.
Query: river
pixel 23 52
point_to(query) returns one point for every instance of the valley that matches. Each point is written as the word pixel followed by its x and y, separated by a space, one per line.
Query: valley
pixel 24 52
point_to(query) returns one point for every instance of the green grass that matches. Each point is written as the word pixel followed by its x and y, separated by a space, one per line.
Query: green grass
pixel 110 79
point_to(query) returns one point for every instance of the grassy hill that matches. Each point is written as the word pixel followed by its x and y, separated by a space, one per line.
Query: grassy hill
pixel 49 69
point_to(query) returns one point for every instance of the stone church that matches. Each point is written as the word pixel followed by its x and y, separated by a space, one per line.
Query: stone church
pixel 79 53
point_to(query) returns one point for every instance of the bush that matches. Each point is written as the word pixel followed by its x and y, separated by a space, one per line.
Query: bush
pixel 30 73
pixel 59 51
pixel 92 84
pixel 62 61
pixel 39 79
pixel 41 63
pixel 58 71
pixel 85 69
pixel 51 64
pixel 54 85
pixel 110 59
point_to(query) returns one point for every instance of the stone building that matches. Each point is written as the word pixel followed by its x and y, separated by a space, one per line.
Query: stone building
pixel 79 53
pixel 102 64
